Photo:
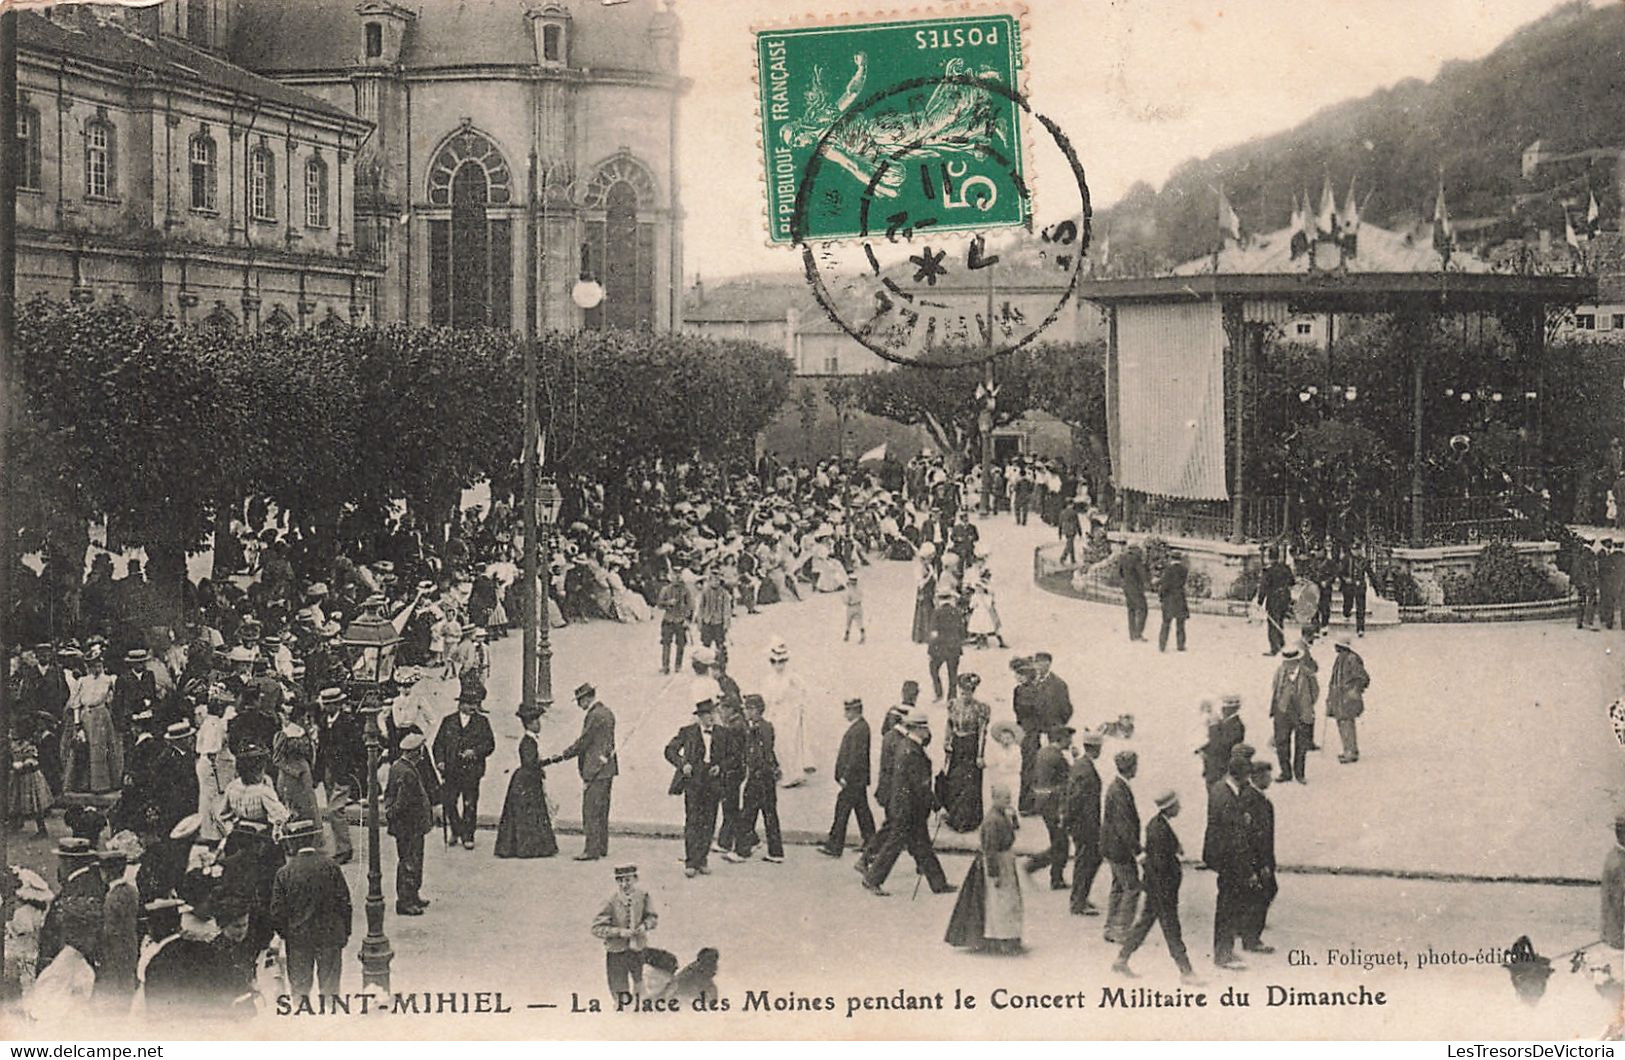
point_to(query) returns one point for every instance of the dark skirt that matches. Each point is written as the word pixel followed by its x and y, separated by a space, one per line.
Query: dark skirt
pixel 526 829
pixel 964 802
pixel 923 606
pixel 969 918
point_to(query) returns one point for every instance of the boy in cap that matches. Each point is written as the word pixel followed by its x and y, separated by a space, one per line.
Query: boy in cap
pixel 853 596
pixel 1162 879
pixel 624 924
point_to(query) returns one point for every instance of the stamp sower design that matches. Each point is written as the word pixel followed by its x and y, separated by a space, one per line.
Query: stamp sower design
pixel 941 149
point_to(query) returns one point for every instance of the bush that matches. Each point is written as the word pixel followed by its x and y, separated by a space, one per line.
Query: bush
pixel 1246 586
pixel 1199 586
pixel 1500 576
pixel 1402 588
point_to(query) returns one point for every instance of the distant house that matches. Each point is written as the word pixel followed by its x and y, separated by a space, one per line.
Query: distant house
pixel 1604 321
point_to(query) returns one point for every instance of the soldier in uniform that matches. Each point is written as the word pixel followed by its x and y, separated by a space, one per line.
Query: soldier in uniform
pixel 595 751
pixel 1355 577
pixel 1083 823
pixel 1051 771
pixel 409 809
pixel 908 813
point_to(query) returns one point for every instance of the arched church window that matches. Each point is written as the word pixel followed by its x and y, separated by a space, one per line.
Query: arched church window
pixel 471 254
pixel 621 247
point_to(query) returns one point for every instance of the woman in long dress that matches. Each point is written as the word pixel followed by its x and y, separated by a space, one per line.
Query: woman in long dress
pixel 785 699
pixel 526 828
pixel 1002 759
pixel 925 591
pixel 829 576
pixel 629 606
pixel 963 749
pixel 93 754
pixel 988 915
pixel 294 752
pixel 216 767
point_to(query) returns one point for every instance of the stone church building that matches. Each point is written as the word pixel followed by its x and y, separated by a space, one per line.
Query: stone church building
pixel 277 163
pixel 515 147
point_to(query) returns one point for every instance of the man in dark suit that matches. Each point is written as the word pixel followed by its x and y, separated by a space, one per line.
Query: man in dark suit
pixel 1049 706
pixel 409 808
pixel 74 917
pixel 1136 580
pixel 1024 700
pixel 1083 823
pixel 1225 851
pixel 707 759
pixel 1355 576
pixel 174 777
pixel 1260 816
pixel 1120 847
pixel 852 777
pixel 1171 594
pixel 947 641
pixel 461 745
pixel 759 782
pixel 595 751
pixel 1163 876
pixel 908 814
pixel 893 738
pixel 310 909
pixel 1051 770
pixel 1275 594
pixel 1222 737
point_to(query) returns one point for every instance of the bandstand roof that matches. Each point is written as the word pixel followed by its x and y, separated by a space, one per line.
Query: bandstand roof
pixel 1389 268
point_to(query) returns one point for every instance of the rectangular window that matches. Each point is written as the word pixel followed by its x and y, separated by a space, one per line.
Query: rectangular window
pixel 98 160
pixel 832 366
pixel 203 173
pixel 261 185
pixel 375 40
pixel 440 273
pixel 501 273
pixel 1304 328
pixel 28 149
pixel 316 193
pixel 1619 321
pixel 553 43
pixel 197 22
pixel 1585 321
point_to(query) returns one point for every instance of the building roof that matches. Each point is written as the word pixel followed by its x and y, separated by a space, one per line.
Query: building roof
pixel 745 301
pixel 302 35
pixel 1380 250
pixel 170 61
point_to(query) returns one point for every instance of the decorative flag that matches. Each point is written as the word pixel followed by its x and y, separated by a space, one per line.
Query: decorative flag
pixel 1593 218
pixel 1300 225
pixel 877 453
pixel 1444 236
pixel 1105 250
pixel 1229 223
pixel 1326 220
pixel 1350 235
pixel 1570 236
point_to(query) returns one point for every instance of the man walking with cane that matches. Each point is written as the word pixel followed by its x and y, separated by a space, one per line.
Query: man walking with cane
pixel 908 814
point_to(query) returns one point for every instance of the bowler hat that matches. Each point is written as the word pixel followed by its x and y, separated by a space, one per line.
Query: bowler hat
pixel 585 691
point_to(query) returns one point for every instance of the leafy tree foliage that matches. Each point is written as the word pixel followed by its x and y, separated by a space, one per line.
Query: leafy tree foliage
pixel 165 431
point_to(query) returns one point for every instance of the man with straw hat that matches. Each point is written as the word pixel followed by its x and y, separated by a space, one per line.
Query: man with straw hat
pixel 1162 879
pixel 908 813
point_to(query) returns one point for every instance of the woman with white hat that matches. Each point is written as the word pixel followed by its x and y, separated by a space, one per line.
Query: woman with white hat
pixel 93 754
pixel 785 699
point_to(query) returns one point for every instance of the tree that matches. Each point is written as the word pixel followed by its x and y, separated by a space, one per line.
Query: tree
pixel 944 400
pixel 1068 381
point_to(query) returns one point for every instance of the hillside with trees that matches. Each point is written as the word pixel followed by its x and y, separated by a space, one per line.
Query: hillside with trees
pixel 1560 80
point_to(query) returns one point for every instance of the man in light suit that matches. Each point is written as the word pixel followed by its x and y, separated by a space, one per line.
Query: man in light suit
pixel 595 751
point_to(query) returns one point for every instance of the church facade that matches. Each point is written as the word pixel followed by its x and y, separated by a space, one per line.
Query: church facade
pixel 515 149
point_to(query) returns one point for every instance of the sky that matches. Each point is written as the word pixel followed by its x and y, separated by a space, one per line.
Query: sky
pixel 1139 86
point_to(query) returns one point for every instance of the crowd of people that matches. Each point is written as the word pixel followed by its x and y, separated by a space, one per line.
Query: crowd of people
pixel 227 757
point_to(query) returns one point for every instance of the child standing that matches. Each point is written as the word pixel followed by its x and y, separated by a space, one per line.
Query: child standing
pixel 854 609
pixel 624 925
pixel 984 612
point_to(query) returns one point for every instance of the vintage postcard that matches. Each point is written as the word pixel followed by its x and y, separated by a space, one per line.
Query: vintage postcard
pixel 776 519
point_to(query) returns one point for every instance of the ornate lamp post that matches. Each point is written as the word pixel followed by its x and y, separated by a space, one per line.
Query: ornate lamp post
pixel 548 502
pixel 372 640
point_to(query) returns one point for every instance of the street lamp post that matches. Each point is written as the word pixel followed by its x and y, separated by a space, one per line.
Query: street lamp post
pixel 548 502
pixel 373 639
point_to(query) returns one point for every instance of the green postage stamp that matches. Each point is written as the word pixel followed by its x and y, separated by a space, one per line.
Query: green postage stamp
pixel 871 124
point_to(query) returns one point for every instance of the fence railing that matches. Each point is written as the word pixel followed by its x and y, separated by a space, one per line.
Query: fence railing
pixel 1445 520
pixel 1262 518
